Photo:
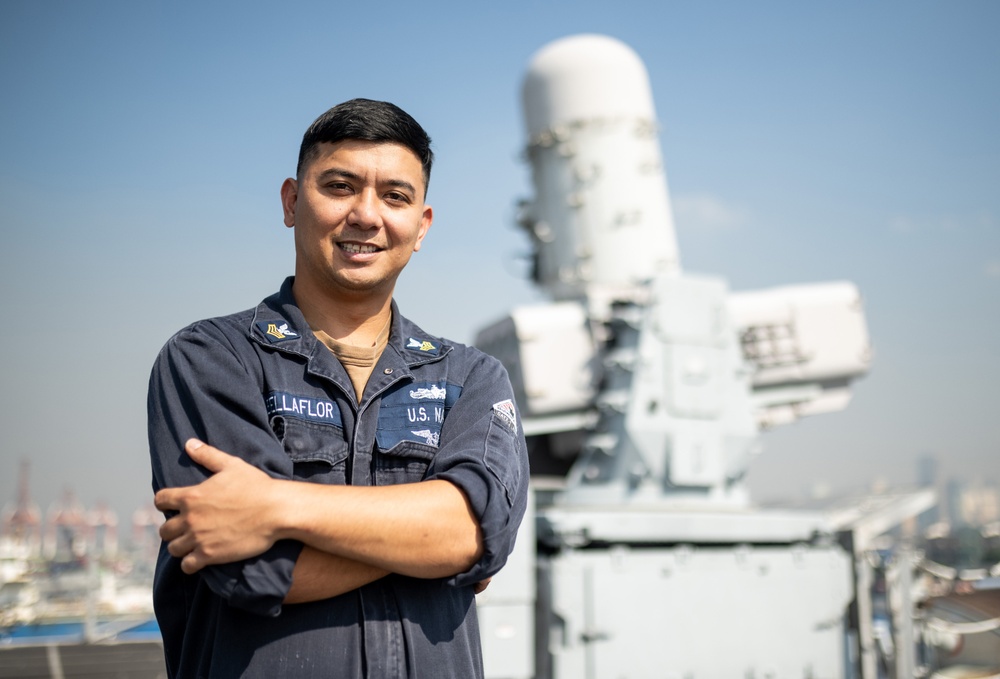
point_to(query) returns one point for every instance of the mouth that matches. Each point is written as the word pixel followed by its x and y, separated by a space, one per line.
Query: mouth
pixel 358 248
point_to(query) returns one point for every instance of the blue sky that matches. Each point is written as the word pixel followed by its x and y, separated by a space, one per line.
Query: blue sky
pixel 142 146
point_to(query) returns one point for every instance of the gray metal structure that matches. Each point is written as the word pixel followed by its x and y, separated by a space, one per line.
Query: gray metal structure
pixel 642 390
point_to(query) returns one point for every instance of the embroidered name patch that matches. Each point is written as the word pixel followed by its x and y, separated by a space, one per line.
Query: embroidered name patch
pixel 276 332
pixel 303 407
pixel 505 411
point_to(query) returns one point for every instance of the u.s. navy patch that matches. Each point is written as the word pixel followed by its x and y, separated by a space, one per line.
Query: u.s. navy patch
pixel 505 411
pixel 423 346
pixel 276 332
pixel 414 412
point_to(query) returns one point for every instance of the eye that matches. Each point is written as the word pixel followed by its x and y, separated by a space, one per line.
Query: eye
pixel 397 197
pixel 338 187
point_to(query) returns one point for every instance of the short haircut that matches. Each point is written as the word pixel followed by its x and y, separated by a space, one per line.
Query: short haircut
pixel 367 120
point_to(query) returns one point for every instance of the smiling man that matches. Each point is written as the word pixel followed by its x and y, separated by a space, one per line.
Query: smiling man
pixel 338 483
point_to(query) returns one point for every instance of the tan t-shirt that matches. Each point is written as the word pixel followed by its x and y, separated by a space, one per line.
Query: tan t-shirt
pixel 357 361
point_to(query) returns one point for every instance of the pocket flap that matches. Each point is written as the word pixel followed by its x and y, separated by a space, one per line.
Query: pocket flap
pixel 311 442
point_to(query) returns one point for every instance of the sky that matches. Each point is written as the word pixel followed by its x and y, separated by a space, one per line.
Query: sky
pixel 142 146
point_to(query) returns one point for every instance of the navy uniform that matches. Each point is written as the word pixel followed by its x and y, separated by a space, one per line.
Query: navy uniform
pixel 258 384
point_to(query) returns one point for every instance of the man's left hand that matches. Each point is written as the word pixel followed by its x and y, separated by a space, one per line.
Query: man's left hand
pixel 220 520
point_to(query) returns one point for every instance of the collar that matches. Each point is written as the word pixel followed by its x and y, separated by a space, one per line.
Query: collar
pixel 278 323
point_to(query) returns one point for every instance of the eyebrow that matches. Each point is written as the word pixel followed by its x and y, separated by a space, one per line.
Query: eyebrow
pixel 347 174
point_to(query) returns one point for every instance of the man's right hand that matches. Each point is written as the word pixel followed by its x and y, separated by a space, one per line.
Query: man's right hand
pixel 222 519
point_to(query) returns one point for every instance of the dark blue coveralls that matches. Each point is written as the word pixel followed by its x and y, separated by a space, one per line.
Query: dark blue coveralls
pixel 258 384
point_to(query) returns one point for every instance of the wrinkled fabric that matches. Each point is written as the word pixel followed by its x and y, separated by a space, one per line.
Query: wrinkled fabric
pixel 258 384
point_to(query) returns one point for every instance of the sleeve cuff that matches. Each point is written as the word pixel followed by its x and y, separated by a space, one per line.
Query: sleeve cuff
pixel 486 499
pixel 258 585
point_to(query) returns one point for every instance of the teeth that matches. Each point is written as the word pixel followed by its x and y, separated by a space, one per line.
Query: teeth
pixel 355 248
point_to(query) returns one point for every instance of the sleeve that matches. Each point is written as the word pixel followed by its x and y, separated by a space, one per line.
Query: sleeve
pixel 200 388
pixel 483 452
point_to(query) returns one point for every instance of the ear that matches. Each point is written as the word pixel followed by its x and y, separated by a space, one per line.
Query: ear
pixel 289 197
pixel 425 224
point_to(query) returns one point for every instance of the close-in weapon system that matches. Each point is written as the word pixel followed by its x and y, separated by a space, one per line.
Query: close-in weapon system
pixel 642 390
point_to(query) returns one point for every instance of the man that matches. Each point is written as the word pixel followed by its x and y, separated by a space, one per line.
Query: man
pixel 373 474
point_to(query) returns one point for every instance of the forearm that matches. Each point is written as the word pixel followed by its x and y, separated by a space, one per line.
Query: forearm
pixel 424 530
pixel 320 575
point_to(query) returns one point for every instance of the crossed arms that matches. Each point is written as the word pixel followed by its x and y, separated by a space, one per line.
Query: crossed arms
pixel 425 530
pixel 262 539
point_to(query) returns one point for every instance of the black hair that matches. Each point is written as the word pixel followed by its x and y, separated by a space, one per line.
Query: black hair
pixel 367 120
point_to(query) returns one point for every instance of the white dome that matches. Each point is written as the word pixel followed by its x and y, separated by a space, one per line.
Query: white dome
pixel 585 77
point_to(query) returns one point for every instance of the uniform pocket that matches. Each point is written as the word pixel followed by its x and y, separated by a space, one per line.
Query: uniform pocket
pixel 318 451
pixel 501 456
pixel 410 418
pixel 405 462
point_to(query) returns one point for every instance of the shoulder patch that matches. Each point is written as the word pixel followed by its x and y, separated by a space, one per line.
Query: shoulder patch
pixel 276 332
pixel 422 346
pixel 506 412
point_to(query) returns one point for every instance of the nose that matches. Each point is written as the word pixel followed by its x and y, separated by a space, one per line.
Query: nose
pixel 364 212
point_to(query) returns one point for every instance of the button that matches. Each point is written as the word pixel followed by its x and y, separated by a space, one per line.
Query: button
pixel 387 371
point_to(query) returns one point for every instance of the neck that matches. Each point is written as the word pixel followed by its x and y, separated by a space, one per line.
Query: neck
pixel 352 319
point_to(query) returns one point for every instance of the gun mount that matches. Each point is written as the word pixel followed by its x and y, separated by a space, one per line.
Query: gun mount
pixel 653 382
pixel 643 389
